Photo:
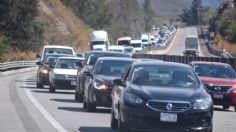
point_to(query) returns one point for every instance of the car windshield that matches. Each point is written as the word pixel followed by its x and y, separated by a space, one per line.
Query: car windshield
pixel 58 51
pixel 136 45
pixel 144 40
pixel 164 76
pixel 112 67
pixel 68 63
pixel 218 71
pixel 97 43
pixel 51 60
pixel 92 58
pixel 80 55
pixel 191 43
pixel 116 50
pixel 123 42
pixel 128 50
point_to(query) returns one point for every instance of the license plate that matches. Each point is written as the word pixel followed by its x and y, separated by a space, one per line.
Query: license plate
pixel 218 96
pixel 168 117
pixel 73 83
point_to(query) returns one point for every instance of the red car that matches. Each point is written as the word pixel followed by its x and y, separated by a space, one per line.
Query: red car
pixel 219 80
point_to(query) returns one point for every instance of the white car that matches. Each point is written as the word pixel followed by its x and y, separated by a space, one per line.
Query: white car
pixel 153 40
pixel 56 49
pixel 63 75
pixel 162 42
pixel 137 44
pixel 116 48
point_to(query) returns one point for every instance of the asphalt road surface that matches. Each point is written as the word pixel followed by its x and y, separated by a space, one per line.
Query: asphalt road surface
pixel 179 43
pixel 25 108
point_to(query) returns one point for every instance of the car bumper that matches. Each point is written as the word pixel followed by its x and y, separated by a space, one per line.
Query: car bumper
pixel 150 120
pixel 223 98
pixel 102 98
pixel 64 84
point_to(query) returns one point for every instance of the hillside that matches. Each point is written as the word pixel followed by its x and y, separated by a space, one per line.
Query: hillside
pixel 61 26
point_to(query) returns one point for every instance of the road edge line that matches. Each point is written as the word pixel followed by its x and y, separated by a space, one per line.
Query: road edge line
pixel 43 111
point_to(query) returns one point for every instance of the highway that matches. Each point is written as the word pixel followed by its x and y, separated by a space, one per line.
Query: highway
pixel 25 108
pixel 179 43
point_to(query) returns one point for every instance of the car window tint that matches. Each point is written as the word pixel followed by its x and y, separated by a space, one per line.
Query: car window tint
pixel 68 63
pixel 164 76
pixel 218 71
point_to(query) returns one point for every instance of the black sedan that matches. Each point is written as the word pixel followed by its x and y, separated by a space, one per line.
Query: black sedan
pixel 88 64
pixel 99 83
pixel 161 96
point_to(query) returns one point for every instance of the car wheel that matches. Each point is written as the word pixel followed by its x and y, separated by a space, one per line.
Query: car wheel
pixel 235 108
pixel 80 97
pixel 114 121
pixel 39 85
pixel 226 107
pixel 121 126
pixel 76 96
pixel 52 89
pixel 84 104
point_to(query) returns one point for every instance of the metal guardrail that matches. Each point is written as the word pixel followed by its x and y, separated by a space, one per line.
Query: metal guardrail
pixel 16 65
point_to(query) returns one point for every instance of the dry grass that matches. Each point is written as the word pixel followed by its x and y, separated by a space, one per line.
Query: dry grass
pixel 230 47
pixel 19 56
pixel 62 26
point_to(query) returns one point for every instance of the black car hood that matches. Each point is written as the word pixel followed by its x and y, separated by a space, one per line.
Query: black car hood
pixel 106 79
pixel 168 93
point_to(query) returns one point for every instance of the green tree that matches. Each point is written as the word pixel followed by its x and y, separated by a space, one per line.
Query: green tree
pixel 149 15
pixel 18 20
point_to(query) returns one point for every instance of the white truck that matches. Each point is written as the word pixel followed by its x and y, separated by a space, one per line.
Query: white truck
pixel 99 41
pixel 146 41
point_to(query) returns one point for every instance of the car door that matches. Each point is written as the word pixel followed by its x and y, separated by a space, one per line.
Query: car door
pixel 116 94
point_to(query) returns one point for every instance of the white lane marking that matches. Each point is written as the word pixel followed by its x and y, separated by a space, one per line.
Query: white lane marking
pixel 45 113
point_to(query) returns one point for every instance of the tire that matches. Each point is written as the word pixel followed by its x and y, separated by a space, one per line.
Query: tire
pixel 121 126
pixel 52 89
pixel 235 108
pixel 84 104
pixel 76 96
pixel 226 107
pixel 39 85
pixel 90 106
pixel 80 97
pixel 114 121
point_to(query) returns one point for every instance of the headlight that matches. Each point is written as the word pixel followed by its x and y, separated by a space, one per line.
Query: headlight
pixel 202 104
pixel 133 99
pixel 44 71
pixel 100 86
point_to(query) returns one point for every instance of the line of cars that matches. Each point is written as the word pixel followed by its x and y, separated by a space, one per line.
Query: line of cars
pixel 147 94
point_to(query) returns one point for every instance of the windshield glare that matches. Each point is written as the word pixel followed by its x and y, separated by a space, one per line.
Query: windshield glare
pixel 112 68
pixel 68 64
pixel 218 71
pixel 164 76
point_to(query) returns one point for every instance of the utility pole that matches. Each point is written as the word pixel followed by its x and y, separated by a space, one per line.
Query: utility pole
pixel 199 9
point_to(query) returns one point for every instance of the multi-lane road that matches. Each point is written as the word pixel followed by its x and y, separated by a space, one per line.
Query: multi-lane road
pixel 179 43
pixel 25 108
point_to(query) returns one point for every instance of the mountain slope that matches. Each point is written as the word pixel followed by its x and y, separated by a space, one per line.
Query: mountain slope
pixel 61 26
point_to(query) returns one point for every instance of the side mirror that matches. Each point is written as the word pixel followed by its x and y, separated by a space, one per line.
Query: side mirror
pixel 39 63
pixel 118 82
pixel 38 56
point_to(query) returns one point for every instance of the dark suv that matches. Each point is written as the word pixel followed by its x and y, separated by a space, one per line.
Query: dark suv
pixel 161 96
pixel 99 83
pixel 88 64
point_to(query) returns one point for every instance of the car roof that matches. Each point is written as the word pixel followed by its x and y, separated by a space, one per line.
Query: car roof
pixel 117 59
pixel 107 52
pixel 58 46
pixel 58 54
pixel 76 58
pixel 161 63
pixel 210 63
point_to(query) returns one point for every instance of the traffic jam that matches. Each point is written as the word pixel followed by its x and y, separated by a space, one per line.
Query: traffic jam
pixel 142 94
